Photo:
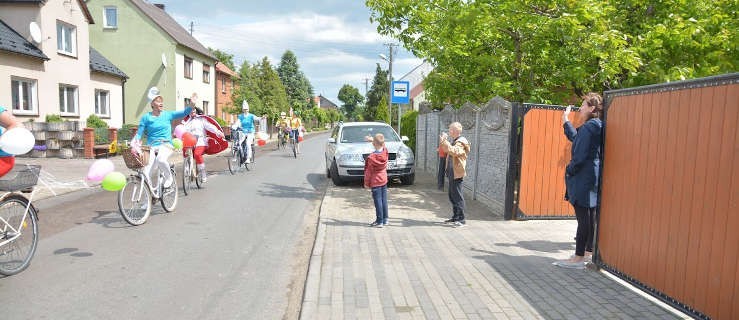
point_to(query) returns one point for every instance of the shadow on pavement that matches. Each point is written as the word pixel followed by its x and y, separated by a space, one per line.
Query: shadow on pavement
pixel 284 191
pixel 541 246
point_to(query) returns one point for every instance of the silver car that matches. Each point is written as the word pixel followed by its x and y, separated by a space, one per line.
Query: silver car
pixel 347 148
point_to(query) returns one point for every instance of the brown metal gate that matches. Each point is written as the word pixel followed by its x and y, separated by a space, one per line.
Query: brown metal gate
pixel 669 213
pixel 543 152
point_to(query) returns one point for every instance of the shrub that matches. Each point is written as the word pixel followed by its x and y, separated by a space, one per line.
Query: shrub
pixel 221 122
pixel 408 128
pixel 124 133
pixel 51 118
pixel 94 121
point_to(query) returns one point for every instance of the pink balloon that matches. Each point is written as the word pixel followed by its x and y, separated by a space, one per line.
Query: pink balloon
pixel 99 169
pixel 179 130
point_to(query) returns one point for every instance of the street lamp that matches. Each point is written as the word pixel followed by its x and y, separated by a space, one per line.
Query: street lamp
pixel 390 85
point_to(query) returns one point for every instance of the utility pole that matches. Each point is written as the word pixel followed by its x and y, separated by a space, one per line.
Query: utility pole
pixel 192 24
pixel 366 82
pixel 390 84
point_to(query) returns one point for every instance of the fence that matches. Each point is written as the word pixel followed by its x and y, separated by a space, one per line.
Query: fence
pixel 669 217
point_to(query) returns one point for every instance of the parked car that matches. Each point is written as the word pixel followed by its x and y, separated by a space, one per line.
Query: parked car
pixel 347 148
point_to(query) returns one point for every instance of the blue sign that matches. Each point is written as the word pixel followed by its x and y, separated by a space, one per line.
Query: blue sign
pixel 401 92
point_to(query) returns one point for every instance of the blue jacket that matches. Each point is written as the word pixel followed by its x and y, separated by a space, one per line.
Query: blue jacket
pixel 159 129
pixel 581 174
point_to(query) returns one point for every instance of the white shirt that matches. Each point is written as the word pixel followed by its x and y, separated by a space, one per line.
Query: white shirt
pixel 197 126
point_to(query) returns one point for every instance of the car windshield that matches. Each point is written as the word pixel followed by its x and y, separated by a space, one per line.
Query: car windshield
pixel 358 133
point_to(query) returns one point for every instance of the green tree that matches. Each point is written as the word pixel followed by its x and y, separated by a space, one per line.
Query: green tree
pixel 247 89
pixel 351 98
pixel 381 111
pixel 298 88
pixel 408 128
pixel 553 50
pixel 223 57
pixel 378 91
pixel 270 90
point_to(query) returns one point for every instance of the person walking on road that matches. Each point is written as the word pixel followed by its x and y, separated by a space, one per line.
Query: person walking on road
pixel 456 161
pixel 375 177
pixel 581 175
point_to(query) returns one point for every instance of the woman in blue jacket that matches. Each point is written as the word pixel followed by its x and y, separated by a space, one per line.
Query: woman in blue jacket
pixel 157 125
pixel 581 174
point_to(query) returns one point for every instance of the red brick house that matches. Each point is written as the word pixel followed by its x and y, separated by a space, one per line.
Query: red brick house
pixel 225 86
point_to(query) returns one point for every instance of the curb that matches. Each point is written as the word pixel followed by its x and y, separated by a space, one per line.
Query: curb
pixel 311 290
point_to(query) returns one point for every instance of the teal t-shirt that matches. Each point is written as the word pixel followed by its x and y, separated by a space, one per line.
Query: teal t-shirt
pixel 159 129
pixel 247 122
pixel 2 130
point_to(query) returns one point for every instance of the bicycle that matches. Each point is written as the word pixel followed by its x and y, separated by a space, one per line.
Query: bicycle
pixel 18 219
pixel 136 197
pixel 237 159
pixel 281 139
pixel 190 171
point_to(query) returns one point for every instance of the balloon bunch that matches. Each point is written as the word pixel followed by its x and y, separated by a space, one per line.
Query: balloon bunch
pixel 102 170
pixel 184 138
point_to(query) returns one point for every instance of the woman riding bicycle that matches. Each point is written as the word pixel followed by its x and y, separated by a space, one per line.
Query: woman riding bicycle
pixel 295 126
pixel 7 121
pixel 157 125
pixel 245 122
pixel 283 129
pixel 196 124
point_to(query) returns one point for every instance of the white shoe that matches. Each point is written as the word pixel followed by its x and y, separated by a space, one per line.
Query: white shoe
pixel 168 182
pixel 205 178
pixel 248 160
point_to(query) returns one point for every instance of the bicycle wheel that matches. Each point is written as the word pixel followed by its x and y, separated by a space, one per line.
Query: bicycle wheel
pixel 134 201
pixel 21 235
pixel 233 160
pixel 187 174
pixel 169 195
pixel 198 177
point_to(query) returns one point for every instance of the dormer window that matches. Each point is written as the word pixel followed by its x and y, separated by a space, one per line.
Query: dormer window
pixel 110 17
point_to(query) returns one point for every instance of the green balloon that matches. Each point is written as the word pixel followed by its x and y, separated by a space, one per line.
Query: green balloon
pixel 177 143
pixel 114 181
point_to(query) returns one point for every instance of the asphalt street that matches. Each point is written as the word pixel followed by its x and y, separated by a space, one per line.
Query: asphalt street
pixel 237 249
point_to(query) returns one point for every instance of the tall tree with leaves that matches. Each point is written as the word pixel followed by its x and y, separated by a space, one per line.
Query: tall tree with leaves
pixel 381 113
pixel 552 51
pixel 298 88
pixel 270 90
pixel 223 57
pixel 379 89
pixel 351 98
pixel 247 89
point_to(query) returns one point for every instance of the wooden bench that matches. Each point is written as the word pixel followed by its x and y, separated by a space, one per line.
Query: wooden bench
pixel 100 150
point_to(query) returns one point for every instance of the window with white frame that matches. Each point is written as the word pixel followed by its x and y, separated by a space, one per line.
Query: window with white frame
pixel 102 103
pixel 66 38
pixel 188 68
pixel 205 107
pixel 206 73
pixel 23 93
pixel 223 84
pixel 110 17
pixel 67 99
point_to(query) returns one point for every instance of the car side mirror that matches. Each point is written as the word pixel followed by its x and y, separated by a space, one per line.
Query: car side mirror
pixel 404 139
pixel 331 140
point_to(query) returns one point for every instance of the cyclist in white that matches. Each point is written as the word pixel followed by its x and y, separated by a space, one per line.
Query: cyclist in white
pixel 197 125
pixel 245 122
pixel 157 125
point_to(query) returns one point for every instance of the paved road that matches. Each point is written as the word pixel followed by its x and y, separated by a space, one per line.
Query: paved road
pixel 235 250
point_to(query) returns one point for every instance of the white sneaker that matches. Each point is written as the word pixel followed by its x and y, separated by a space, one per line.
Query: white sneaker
pixel 204 178
pixel 248 160
pixel 168 182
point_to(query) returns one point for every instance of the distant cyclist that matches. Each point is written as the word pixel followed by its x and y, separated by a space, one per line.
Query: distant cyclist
pixel 157 125
pixel 295 126
pixel 245 122
pixel 197 124
pixel 282 128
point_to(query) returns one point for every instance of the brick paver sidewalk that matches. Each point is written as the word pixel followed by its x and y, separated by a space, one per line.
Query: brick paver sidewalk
pixel 418 268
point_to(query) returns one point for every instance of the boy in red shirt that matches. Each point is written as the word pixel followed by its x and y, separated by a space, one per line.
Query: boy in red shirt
pixel 375 177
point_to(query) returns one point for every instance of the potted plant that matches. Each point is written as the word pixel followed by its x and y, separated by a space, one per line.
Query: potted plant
pixel 54 122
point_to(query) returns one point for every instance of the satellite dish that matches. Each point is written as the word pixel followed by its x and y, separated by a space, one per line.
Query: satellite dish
pixel 164 60
pixel 35 32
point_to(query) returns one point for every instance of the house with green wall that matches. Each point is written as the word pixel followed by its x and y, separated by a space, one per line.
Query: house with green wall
pixel 154 50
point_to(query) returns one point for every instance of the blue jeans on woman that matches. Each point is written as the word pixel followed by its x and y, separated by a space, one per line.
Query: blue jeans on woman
pixel 379 196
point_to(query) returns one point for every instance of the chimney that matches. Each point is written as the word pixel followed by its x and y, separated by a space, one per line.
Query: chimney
pixel 159 5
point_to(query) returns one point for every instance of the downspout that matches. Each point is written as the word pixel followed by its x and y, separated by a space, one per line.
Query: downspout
pixel 123 100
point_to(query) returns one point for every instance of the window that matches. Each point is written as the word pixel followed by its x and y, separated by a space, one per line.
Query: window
pixel 223 84
pixel 206 73
pixel 67 99
pixel 187 101
pixel 110 17
pixel 102 103
pixel 23 92
pixel 188 68
pixel 205 107
pixel 66 38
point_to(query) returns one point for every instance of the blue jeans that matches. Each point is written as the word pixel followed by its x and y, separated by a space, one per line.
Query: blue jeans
pixel 379 196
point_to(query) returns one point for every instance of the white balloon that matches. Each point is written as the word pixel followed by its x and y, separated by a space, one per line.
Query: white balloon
pixel 17 141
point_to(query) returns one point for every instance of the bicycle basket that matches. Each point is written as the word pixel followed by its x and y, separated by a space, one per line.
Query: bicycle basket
pixel 22 176
pixel 133 161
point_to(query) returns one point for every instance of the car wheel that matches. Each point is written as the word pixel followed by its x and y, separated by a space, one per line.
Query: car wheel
pixel 328 171
pixel 335 175
pixel 409 179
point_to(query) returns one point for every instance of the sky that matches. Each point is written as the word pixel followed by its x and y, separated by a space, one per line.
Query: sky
pixel 334 41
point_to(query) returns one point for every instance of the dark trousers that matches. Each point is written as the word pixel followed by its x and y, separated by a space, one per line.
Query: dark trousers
pixel 379 197
pixel 457 199
pixel 442 173
pixel 584 237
